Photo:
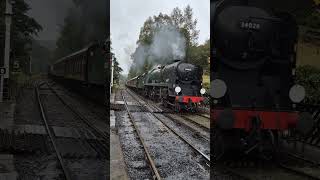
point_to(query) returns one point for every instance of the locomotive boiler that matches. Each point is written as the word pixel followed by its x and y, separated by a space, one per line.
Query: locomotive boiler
pixel 254 96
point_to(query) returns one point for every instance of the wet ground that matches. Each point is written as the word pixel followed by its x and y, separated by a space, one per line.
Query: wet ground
pixel 24 139
pixel 173 158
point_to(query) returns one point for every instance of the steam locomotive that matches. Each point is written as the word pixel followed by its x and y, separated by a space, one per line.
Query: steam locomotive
pixel 178 84
pixel 85 71
pixel 254 97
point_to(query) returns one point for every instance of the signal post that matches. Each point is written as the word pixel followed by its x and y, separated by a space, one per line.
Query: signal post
pixel 4 71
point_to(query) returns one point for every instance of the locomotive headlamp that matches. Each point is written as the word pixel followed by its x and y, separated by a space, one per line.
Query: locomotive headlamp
pixel 202 91
pixel 177 89
pixel 218 88
pixel 297 93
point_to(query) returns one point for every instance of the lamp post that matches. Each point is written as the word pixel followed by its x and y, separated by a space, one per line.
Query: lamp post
pixel 8 16
pixel 112 69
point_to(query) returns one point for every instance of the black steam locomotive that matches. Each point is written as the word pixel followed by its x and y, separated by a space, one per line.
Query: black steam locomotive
pixel 254 97
pixel 178 84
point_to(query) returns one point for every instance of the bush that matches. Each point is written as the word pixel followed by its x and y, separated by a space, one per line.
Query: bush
pixel 309 77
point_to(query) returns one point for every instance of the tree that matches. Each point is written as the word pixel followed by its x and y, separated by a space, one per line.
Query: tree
pixel 183 21
pixel 116 71
pixel 22 29
pixel 84 24
pixel 132 72
pixel 200 55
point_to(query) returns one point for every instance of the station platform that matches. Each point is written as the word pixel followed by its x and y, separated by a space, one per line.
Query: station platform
pixel 118 168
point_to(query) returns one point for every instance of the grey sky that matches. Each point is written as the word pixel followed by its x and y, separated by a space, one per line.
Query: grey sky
pixel 49 14
pixel 128 16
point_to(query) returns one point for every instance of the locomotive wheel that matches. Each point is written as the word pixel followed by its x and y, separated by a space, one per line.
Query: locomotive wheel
pixel 177 107
pixel 153 95
pixel 270 145
pixel 164 98
pixel 194 107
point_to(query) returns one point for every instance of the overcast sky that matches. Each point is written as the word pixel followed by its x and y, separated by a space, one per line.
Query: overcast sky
pixel 128 16
pixel 49 14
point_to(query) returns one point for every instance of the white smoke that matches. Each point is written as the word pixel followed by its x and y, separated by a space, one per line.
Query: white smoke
pixel 168 44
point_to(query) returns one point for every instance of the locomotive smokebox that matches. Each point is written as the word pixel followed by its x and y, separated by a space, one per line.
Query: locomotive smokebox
pixel 245 37
pixel 187 72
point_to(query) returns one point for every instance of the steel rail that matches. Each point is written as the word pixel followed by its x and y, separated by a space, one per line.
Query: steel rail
pixel 206 157
pixel 195 123
pixel 79 116
pixel 233 172
pixel 91 104
pixel 204 116
pixel 188 126
pixel 52 136
pixel 146 150
pixel 298 172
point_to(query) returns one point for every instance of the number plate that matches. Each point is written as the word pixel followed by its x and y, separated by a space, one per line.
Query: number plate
pixel 250 25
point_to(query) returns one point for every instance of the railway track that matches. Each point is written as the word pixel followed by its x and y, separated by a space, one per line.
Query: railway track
pixel 199 128
pixel 146 150
pixel 172 156
pixel 204 155
pixel 94 107
pixel 203 126
pixel 80 116
pixel 85 147
pixel 290 166
pixel 52 137
pixel 298 160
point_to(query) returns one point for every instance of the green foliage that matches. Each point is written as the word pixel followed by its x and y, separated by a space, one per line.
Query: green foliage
pixel 116 71
pixel 309 77
pixel 312 20
pixel 184 21
pixel 83 25
pixel 206 82
pixel 22 29
pixel 200 55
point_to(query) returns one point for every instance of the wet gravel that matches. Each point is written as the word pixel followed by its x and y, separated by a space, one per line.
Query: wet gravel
pixel 38 166
pixel 173 157
pixel 88 169
pixel 193 137
pixel 133 151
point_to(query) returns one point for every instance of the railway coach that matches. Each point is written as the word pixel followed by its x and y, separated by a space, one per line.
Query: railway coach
pixel 86 71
